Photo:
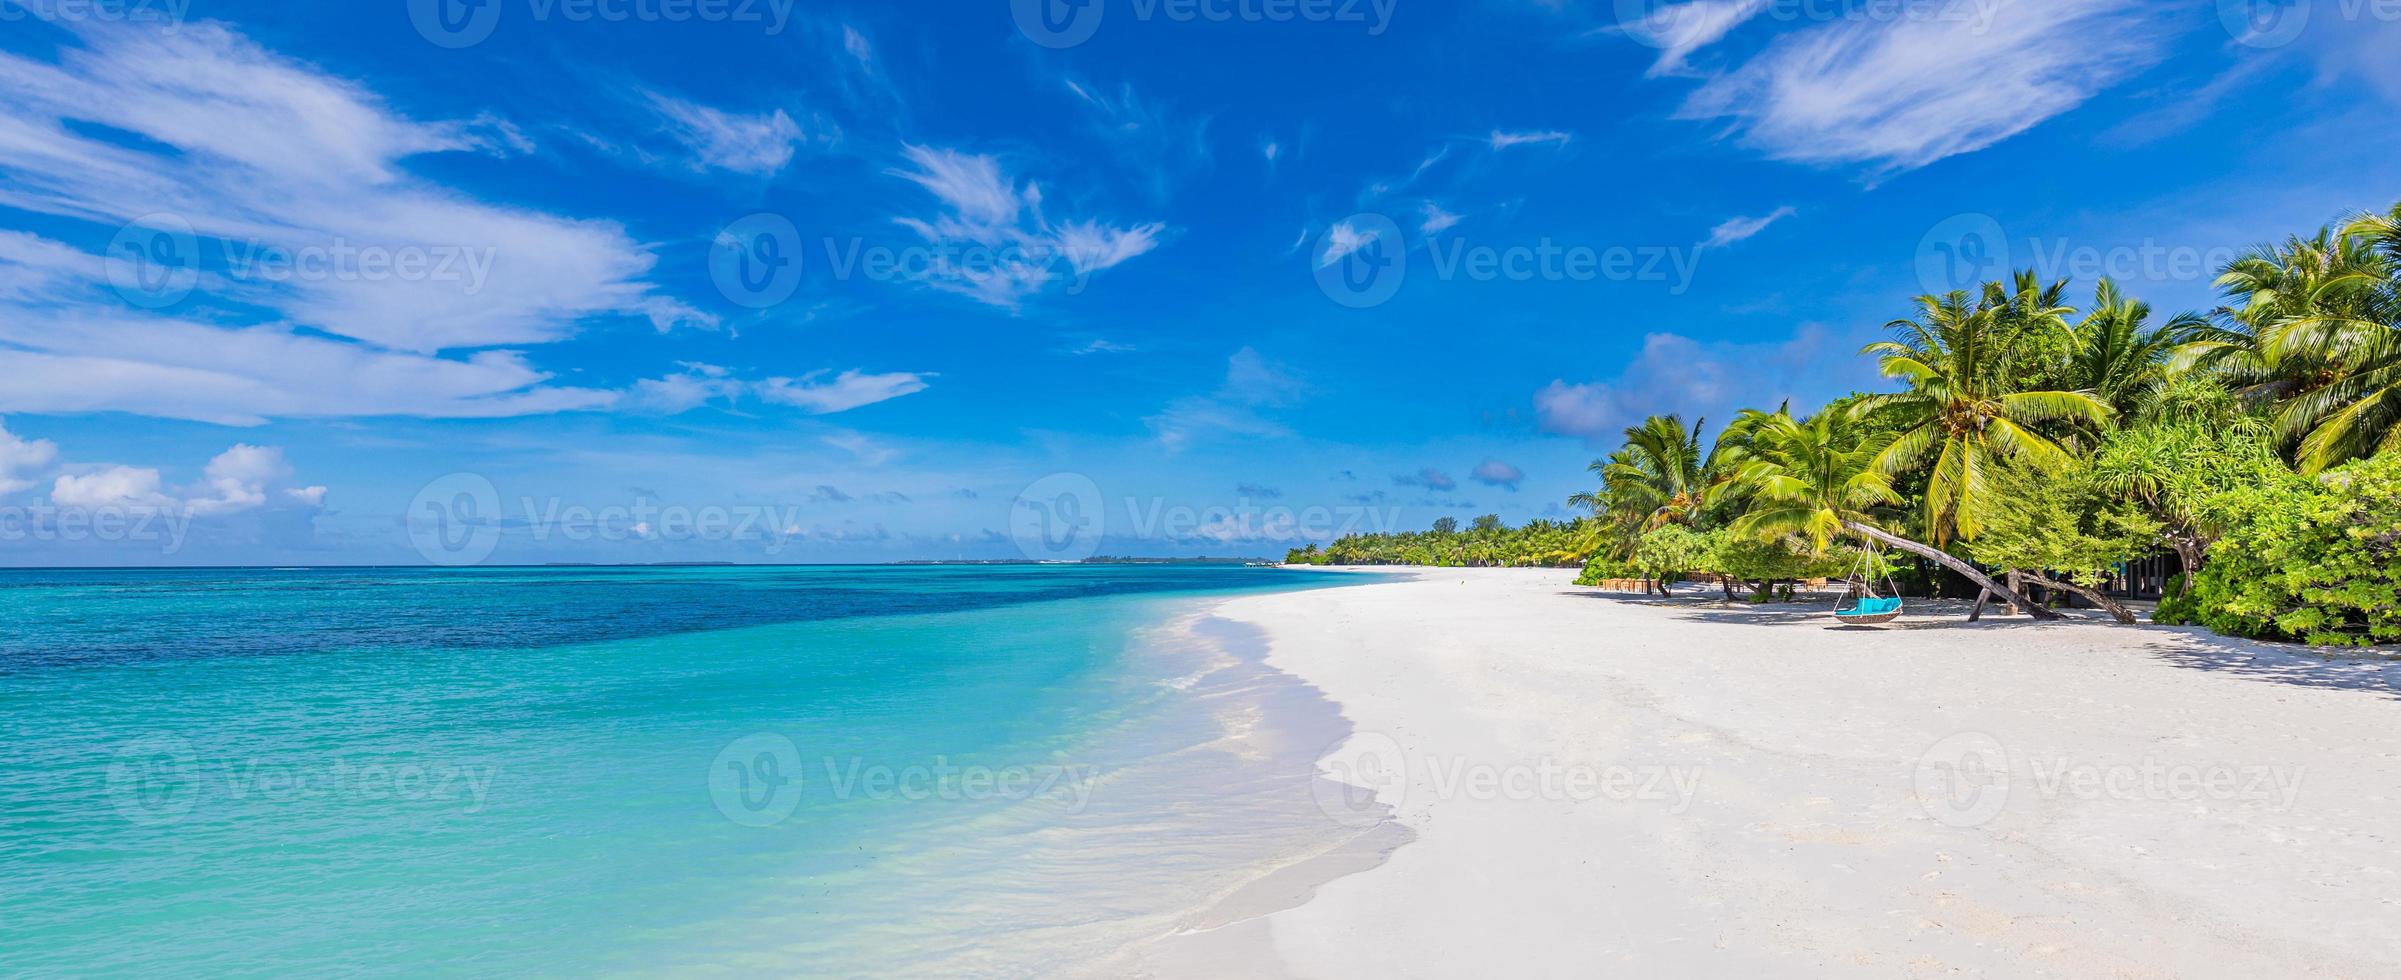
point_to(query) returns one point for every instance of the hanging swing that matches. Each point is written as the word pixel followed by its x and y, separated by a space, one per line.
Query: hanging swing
pixel 1871 609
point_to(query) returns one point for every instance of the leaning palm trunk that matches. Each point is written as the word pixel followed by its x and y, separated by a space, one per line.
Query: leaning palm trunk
pixel 1947 560
pixel 2116 610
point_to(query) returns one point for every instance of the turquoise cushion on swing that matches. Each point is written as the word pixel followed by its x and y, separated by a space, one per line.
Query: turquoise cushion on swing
pixel 1873 607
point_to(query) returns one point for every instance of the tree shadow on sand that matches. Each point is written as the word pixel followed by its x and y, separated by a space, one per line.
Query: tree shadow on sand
pixel 2194 648
pixel 1922 614
pixel 2188 647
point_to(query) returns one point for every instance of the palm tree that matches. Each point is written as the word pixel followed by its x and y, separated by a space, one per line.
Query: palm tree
pixel 2352 323
pixel 1962 413
pixel 1656 478
pixel 2271 285
pixel 1818 480
pixel 2116 354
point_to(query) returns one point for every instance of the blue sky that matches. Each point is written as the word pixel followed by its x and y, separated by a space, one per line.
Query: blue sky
pixel 653 280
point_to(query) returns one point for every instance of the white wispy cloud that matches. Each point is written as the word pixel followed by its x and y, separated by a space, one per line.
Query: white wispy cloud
pixel 1252 383
pixel 1502 139
pixel 1494 473
pixel 1435 218
pixel 1344 238
pixel 66 349
pixel 700 384
pixel 851 389
pixel 262 155
pixel 760 145
pixel 675 394
pixel 237 480
pixel 1736 229
pixel 856 44
pixel 269 165
pixel 1154 145
pixel 1679 29
pixel 1901 93
pixel 867 450
pixel 1697 378
pixel 21 459
pixel 1018 251
pixel 1376 189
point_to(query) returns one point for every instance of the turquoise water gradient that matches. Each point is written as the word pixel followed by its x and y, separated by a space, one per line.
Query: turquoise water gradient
pixel 553 771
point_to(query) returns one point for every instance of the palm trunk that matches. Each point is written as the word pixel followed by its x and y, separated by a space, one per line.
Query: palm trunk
pixel 2116 610
pixel 2013 587
pixel 1947 560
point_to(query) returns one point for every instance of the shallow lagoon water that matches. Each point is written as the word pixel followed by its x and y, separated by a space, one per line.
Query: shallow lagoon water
pixel 579 771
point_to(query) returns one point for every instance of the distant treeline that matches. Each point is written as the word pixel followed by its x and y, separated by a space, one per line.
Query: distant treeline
pixel 1484 542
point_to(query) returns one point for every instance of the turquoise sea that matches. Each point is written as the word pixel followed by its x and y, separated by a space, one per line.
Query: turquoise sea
pixel 990 770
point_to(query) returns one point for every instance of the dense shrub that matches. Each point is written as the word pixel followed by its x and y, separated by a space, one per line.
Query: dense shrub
pixel 1669 552
pixel 2176 609
pixel 2311 560
pixel 1600 569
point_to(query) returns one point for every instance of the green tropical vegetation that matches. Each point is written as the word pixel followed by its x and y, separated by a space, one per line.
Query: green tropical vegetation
pixel 2028 443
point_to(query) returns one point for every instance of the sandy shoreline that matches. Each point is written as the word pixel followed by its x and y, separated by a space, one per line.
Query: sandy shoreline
pixel 1597 783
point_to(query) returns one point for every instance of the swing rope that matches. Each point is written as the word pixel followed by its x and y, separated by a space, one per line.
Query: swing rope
pixel 1863 581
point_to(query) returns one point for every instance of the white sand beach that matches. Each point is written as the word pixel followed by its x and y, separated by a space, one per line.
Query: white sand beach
pixel 1601 785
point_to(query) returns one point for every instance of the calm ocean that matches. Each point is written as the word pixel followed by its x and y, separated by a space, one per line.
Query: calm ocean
pixel 820 770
